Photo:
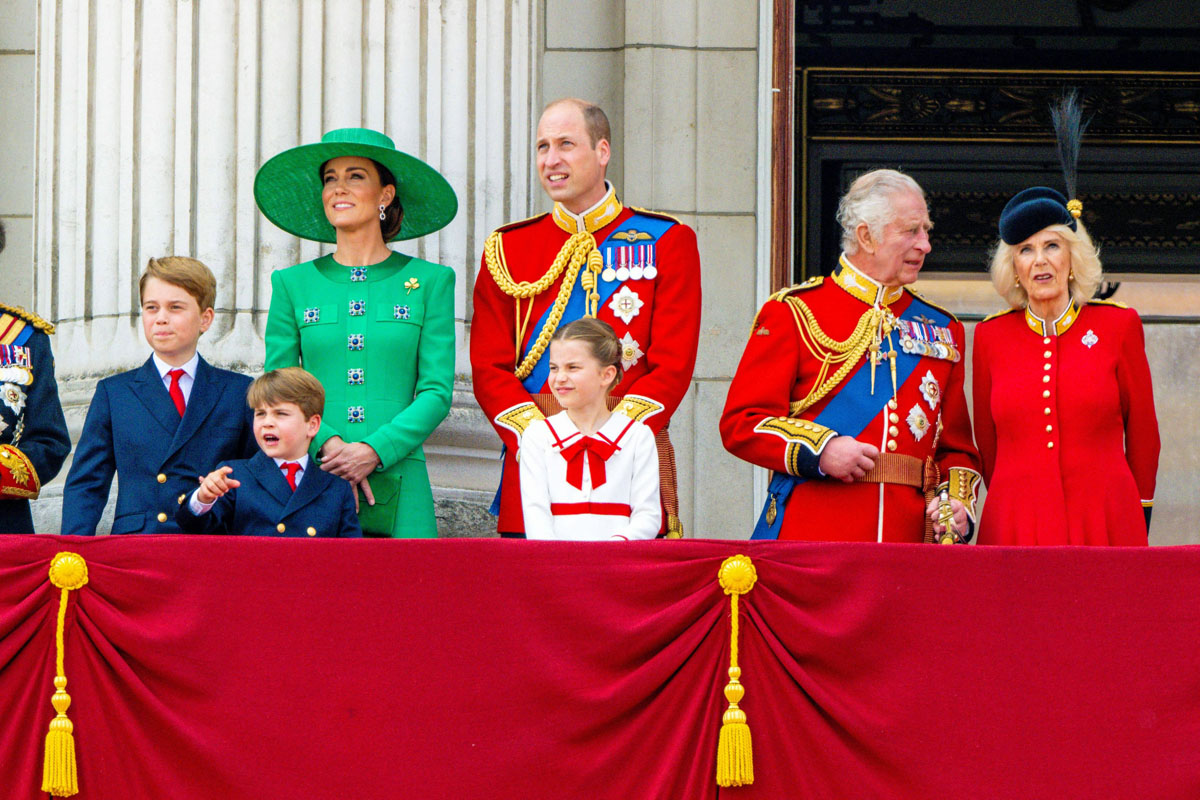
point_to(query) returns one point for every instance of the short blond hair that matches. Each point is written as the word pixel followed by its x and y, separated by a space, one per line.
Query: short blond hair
pixel 1086 270
pixel 186 273
pixel 288 385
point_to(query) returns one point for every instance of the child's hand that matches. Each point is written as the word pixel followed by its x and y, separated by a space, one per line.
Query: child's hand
pixel 215 484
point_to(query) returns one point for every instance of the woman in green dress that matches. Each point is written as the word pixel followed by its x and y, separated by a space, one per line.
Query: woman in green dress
pixel 374 326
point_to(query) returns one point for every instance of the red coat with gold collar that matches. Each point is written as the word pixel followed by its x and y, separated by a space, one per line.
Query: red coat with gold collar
pixel 647 277
pixel 1064 418
pixel 806 377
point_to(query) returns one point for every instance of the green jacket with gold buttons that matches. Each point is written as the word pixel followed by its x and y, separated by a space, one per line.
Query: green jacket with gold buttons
pixel 381 341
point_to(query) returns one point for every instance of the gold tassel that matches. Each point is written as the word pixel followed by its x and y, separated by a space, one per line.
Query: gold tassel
pixel 735 756
pixel 59 777
pixel 674 527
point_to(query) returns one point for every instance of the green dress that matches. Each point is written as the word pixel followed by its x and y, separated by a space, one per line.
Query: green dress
pixel 381 341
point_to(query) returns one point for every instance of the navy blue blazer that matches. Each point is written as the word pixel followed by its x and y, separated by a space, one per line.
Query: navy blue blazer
pixel 264 504
pixel 133 430
pixel 31 418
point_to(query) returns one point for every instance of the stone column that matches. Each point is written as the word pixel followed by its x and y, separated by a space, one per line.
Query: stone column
pixel 153 118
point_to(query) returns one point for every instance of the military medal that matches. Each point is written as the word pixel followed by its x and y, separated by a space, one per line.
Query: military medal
pixel 651 271
pixel 23 376
pixel 622 270
pixel 609 275
pixel 636 269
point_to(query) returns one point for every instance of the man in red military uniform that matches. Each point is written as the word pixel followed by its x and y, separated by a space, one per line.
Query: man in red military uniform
pixel 851 387
pixel 591 256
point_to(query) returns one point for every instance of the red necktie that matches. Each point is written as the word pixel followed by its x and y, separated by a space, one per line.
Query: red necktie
pixel 291 468
pixel 176 392
pixel 599 451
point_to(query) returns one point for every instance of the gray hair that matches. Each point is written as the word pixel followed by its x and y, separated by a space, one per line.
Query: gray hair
pixel 869 201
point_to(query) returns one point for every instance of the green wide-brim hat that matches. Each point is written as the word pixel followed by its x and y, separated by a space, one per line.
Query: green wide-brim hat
pixel 288 187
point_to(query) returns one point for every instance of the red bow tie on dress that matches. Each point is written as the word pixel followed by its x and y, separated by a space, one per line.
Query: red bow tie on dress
pixel 599 449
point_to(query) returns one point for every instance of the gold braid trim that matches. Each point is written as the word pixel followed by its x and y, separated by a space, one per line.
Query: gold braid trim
pixel 830 351
pixel 573 255
pixel 30 317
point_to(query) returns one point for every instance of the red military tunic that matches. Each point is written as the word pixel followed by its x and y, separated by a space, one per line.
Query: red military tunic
pixel 1064 418
pixel 810 347
pixel 647 273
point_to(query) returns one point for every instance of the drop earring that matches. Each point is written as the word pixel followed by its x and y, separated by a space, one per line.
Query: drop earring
pixel 382 212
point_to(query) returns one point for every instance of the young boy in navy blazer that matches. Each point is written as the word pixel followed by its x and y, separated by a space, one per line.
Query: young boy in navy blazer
pixel 159 426
pixel 279 491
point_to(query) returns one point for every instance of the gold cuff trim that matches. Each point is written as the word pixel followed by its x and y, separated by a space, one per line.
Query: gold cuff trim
pixel 963 485
pixel 18 477
pixel 638 408
pixel 798 433
pixel 518 418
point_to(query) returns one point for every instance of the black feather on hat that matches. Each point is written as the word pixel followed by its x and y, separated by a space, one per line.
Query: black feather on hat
pixel 1038 207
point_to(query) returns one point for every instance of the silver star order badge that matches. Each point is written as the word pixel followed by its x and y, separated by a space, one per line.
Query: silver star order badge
pixel 1090 338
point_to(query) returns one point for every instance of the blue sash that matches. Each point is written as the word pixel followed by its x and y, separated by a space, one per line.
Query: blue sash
pixel 850 411
pixel 640 223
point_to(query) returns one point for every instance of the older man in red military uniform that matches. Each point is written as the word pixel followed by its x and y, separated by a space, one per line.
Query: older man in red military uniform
pixel 851 387
pixel 591 256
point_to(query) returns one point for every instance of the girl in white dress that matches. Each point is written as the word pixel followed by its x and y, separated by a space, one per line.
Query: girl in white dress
pixel 588 473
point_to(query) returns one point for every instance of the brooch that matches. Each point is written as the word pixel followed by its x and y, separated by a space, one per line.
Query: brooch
pixel 1090 338
pixel 631 351
pixel 13 397
pixel 931 391
pixel 410 284
pixel 626 304
pixel 918 423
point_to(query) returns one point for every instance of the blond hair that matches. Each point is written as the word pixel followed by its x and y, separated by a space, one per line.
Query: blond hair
pixel 1086 270
pixel 600 338
pixel 186 273
pixel 288 385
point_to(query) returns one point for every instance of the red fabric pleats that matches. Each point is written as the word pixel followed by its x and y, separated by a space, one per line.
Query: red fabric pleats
pixel 204 667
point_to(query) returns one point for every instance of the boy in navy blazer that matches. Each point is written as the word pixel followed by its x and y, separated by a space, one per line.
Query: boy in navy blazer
pixel 279 491
pixel 159 426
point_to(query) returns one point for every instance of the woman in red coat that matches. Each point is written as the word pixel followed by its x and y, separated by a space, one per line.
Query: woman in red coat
pixel 1064 408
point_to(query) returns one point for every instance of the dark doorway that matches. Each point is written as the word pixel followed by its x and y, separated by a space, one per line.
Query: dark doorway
pixel 957 95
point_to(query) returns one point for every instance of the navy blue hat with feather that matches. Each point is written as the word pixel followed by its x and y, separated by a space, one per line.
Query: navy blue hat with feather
pixel 1031 210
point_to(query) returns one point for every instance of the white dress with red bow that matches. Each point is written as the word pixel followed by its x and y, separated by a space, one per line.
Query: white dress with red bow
pixel 594 487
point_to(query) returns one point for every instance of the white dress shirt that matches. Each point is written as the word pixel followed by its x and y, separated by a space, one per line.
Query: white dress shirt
pixel 185 380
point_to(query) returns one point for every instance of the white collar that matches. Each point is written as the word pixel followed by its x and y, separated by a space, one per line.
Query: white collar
pixel 189 367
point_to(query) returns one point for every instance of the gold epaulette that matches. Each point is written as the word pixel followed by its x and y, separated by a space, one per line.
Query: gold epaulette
pixel 811 283
pixel 782 295
pixel 521 223
pixel 657 214
pixel 928 302
pixel 998 314
pixel 1113 303
pixel 30 317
